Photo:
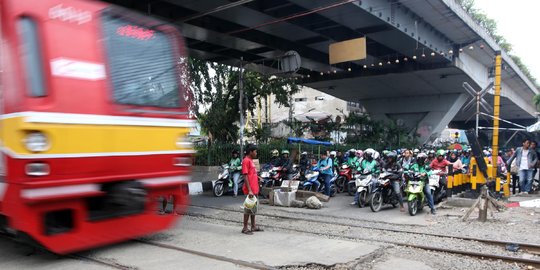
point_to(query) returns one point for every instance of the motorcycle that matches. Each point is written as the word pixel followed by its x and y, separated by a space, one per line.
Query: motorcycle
pixel 416 199
pixel 271 176
pixel 437 185
pixel 382 191
pixel 363 182
pixel 314 182
pixel 224 184
pixel 344 176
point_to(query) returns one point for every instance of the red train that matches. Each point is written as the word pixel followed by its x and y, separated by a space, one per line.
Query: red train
pixel 94 119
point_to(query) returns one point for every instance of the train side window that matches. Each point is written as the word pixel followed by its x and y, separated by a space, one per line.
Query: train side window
pixel 32 57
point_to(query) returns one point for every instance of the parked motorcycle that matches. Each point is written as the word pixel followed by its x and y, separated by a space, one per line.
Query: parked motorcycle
pixel 363 183
pixel 382 191
pixel 415 193
pixel 344 176
pixel 224 184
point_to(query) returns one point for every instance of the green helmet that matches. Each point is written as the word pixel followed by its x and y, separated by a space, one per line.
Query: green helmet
pixel 441 152
pixel 285 151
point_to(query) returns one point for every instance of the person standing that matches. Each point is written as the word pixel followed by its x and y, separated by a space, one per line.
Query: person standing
pixel 251 187
pixel 526 159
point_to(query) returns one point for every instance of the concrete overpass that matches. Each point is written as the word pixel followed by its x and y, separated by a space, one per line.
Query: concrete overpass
pixel 419 52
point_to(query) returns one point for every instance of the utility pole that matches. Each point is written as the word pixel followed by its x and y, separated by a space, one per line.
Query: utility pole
pixel 241 106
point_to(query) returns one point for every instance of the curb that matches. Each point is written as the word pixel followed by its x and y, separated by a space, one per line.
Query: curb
pixel 528 203
pixel 197 188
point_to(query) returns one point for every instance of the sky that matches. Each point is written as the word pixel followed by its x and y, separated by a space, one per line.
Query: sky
pixel 517 21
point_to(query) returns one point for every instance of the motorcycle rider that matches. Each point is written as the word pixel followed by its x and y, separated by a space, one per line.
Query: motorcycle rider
pixel 440 163
pixel 430 156
pixel 325 168
pixel 368 164
pixel 407 160
pixel 286 164
pixel 424 169
pixel 335 164
pixel 352 161
pixel 275 160
pixel 235 165
pixel 390 164
pixel 466 159
pixel 304 163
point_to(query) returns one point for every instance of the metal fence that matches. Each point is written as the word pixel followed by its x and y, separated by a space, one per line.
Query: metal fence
pixel 217 154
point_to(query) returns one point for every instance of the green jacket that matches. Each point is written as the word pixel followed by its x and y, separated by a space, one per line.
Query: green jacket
pixel 369 165
pixel 352 162
pixel 421 169
pixel 235 164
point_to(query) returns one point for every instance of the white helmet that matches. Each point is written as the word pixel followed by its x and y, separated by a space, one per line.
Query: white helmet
pixel 333 153
pixel 370 151
pixel 376 155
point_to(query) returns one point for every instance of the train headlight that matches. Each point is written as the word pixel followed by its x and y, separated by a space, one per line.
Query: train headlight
pixel 183 142
pixel 36 142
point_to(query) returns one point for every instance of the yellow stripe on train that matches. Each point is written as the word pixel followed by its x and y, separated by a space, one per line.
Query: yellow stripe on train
pixel 82 138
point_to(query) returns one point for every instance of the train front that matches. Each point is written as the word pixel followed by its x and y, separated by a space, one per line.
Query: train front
pixel 94 124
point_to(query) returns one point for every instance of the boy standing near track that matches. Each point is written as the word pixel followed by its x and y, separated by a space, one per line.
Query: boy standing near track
pixel 251 187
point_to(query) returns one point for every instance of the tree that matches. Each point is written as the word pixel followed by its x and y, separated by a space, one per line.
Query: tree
pixel 215 96
pixel 536 101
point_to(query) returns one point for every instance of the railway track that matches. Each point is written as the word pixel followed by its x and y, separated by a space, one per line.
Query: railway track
pixel 530 248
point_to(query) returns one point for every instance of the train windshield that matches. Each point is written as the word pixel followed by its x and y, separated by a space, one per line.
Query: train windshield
pixel 142 64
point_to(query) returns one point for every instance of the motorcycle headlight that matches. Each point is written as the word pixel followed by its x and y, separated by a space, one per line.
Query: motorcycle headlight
pixel 36 142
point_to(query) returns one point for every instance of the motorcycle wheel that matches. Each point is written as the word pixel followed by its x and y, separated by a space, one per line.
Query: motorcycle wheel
pixel 351 188
pixel 362 199
pixel 333 190
pixel 218 189
pixel 309 188
pixel 340 184
pixel 413 207
pixel 376 202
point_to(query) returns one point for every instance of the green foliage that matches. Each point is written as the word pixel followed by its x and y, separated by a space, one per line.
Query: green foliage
pixel 215 96
pixel 536 101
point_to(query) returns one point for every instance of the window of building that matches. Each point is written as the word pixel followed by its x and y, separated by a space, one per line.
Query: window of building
pixel 300 99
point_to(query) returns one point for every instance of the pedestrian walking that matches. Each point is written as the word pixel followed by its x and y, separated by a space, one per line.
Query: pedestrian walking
pixel 526 160
pixel 251 187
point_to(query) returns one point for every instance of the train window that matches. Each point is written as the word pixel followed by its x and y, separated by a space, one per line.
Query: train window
pixel 142 64
pixel 31 56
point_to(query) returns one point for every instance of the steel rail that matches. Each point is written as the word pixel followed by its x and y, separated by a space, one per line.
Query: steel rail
pixel 529 262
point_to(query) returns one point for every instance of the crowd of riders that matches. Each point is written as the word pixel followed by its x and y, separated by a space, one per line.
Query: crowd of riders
pixel 421 161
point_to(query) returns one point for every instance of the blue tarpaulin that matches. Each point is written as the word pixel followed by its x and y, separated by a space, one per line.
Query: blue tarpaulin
pixel 307 141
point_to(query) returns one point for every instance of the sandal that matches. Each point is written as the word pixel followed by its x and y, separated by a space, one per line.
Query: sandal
pixel 257 229
pixel 246 231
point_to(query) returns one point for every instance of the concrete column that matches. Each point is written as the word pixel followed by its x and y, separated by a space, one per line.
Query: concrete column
pixel 427 115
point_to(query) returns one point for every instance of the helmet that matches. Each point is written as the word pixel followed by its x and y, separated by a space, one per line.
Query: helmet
pixel 275 153
pixel 385 152
pixel 285 152
pixel 235 152
pixel 416 151
pixel 421 157
pixel 431 152
pixel 359 153
pixel 352 150
pixel 440 152
pixel 369 151
pixel 333 153
pixel 486 153
pixel 304 154
pixel 391 154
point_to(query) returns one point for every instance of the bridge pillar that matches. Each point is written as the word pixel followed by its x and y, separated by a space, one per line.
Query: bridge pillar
pixel 425 115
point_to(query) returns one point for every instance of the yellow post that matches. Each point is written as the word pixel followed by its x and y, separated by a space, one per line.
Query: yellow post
pixel 496 107
pixel 506 187
pixel 474 173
